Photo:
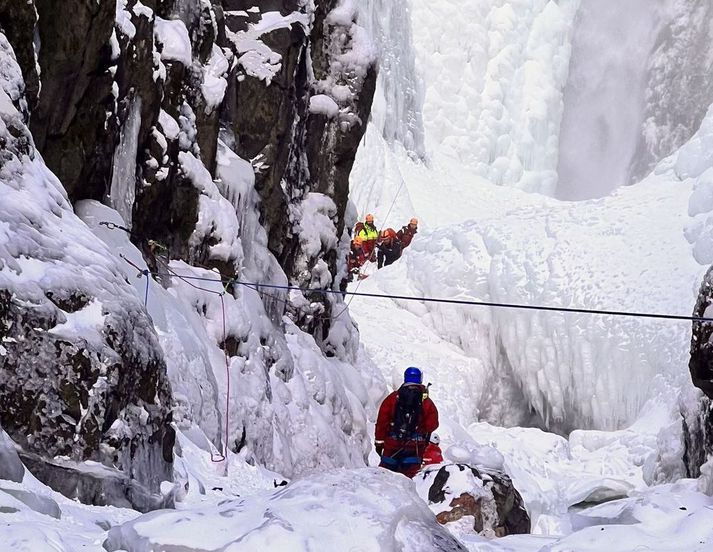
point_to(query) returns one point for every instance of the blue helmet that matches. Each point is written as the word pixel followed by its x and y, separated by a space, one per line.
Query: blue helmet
pixel 413 375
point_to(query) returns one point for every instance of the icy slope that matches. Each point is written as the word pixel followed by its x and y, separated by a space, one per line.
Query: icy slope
pixel 482 241
pixel 626 252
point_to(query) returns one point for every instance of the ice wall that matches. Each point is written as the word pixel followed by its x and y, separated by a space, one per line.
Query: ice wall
pixel 494 73
pixel 399 100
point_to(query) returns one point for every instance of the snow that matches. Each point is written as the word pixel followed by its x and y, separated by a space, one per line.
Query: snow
pixel 214 84
pixel 322 104
pixel 173 35
pixel 123 19
pixel 255 57
pixel 373 507
pixel 463 127
pixel 169 126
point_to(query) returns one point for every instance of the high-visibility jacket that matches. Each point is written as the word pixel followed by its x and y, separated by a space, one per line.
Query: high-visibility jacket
pixel 369 234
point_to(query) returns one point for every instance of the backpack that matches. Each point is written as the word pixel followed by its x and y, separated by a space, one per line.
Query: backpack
pixel 407 413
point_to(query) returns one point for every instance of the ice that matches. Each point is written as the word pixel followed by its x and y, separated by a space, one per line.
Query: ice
pixel 399 87
pixel 123 179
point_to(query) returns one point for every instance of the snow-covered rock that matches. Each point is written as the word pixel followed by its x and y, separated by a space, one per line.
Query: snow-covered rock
pixel 83 374
pixel 473 500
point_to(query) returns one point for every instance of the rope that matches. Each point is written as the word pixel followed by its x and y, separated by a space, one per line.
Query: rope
pixel 466 302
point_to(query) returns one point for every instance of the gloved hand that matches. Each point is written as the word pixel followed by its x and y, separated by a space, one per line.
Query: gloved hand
pixel 379 447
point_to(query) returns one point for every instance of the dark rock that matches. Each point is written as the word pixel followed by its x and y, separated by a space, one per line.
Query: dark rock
pixel 70 122
pixel 489 496
pixel 701 361
pixel 62 398
pixel 17 22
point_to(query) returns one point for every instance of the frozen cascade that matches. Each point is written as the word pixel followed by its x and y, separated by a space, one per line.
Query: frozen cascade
pixel 123 180
pixel 636 92
pixel 481 237
pixel 399 87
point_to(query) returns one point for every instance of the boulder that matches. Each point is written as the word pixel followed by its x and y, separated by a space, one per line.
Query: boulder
pixel 474 500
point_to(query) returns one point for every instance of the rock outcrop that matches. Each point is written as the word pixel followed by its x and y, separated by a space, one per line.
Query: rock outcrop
pixel 82 376
pixel 698 422
pixel 477 500
pixel 141 105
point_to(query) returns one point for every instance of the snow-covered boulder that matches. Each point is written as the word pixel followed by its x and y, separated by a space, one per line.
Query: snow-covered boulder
pixel 474 500
pixel 375 509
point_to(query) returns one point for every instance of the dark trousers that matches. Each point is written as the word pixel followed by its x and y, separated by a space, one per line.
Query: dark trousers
pixel 407 462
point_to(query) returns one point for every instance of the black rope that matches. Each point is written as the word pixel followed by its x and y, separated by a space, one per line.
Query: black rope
pixel 465 302
pixel 517 306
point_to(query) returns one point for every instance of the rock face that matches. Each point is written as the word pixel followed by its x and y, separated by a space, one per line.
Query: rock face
pixel 474 500
pixel 81 373
pixel 136 105
pixel 129 95
pixel 698 422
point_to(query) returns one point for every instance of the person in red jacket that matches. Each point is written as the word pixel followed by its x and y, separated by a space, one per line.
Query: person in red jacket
pixel 357 257
pixel 433 454
pixel 406 419
pixel 407 233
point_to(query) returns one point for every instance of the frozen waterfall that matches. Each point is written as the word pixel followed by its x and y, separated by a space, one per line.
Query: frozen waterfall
pixel 636 90
pixel 399 97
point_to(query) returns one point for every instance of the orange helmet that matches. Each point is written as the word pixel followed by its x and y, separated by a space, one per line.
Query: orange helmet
pixel 369 218
pixel 413 221
pixel 358 241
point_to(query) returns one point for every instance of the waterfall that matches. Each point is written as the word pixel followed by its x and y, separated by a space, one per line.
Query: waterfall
pixel 638 89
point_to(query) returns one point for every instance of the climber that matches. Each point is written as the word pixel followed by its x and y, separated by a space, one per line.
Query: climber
pixel 357 257
pixel 406 419
pixel 407 233
pixel 369 234
pixel 433 454
pixel 389 247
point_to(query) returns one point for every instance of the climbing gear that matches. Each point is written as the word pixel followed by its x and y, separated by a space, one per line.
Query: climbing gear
pixel 435 439
pixel 413 375
pixel 407 414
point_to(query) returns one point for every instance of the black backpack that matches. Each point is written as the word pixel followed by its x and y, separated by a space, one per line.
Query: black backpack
pixel 407 413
